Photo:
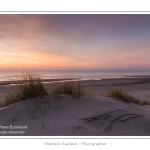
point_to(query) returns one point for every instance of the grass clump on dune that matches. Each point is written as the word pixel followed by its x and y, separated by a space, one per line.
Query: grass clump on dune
pixel 72 88
pixel 144 102
pixel 119 94
pixel 30 85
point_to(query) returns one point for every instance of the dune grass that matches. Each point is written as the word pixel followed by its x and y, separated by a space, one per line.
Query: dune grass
pixel 75 89
pixel 30 85
pixel 120 95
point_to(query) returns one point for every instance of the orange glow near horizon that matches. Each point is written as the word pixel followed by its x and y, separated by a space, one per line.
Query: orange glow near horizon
pixel 74 42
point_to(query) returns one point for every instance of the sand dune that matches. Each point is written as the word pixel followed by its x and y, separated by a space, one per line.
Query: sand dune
pixel 138 87
pixel 94 116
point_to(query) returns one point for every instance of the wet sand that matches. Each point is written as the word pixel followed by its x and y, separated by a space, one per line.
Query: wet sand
pixel 94 116
pixel 138 87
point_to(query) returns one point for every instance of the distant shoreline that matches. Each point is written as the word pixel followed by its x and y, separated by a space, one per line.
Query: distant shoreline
pixel 138 87
pixel 52 75
pixel 43 80
pixel 143 79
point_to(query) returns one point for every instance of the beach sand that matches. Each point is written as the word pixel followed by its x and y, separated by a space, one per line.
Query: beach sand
pixel 138 87
pixel 95 116
pixel 86 116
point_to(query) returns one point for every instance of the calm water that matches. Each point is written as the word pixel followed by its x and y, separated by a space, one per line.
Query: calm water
pixel 6 75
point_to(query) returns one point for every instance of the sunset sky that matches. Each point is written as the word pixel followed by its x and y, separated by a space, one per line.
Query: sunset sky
pixel 75 41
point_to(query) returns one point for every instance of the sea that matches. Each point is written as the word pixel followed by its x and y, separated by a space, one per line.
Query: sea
pixel 7 75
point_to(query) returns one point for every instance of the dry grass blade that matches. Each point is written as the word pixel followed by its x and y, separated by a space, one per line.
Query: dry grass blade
pixel 72 88
pixel 30 85
pixel 119 94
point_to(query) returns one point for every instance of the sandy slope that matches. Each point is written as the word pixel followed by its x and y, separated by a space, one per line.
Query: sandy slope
pixel 85 116
pixel 138 87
